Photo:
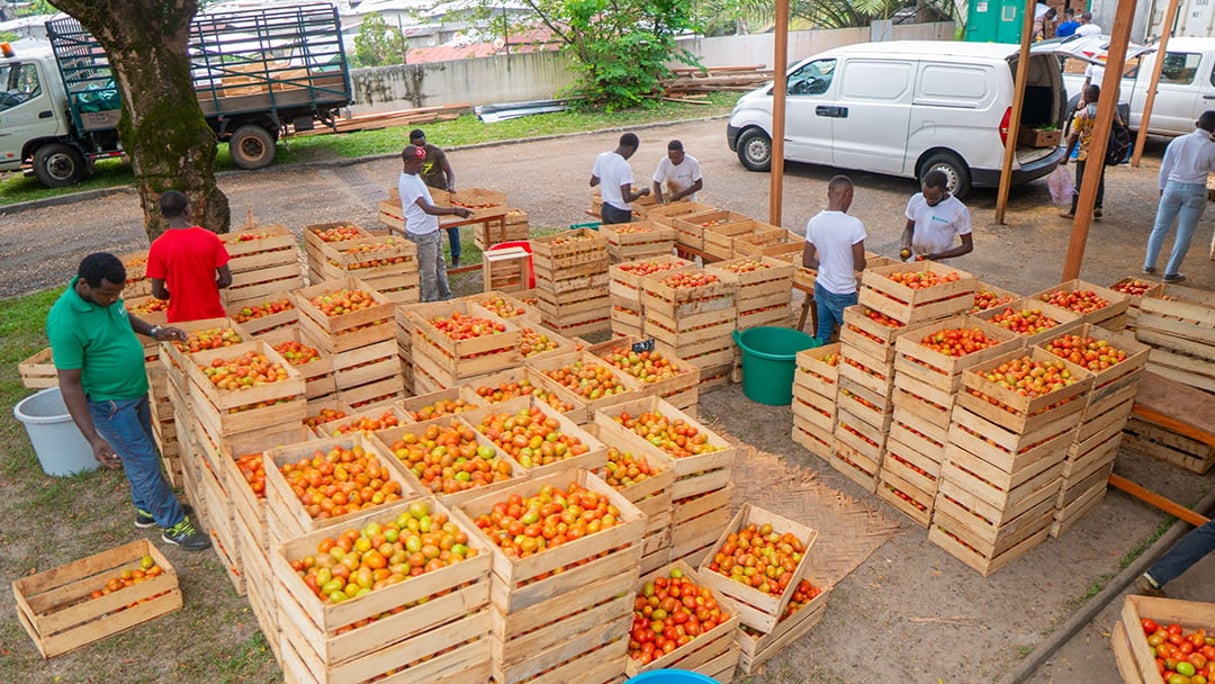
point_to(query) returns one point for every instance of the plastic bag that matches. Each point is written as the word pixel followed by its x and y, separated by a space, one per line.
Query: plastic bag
pixel 1061 186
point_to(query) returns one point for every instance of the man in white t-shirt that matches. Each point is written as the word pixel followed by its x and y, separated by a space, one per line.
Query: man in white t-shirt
pixel 612 170
pixel 835 248
pixel 1087 27
pixel 422 224
pixel 680 172
pixel 934 219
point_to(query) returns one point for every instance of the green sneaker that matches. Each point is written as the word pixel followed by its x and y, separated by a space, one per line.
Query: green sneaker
pixel 144 519
pixel 184 535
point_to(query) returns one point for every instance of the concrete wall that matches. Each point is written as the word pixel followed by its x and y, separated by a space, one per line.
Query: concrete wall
pixel 542 75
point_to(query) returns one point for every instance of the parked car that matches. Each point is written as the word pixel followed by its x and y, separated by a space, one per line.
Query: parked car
pixel 907 107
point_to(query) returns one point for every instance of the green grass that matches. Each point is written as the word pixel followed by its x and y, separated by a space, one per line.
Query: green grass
pixel 23 328
pixel 466 130
pixel 1146 542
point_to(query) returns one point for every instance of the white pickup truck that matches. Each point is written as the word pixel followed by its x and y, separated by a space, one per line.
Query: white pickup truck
pixel 1186 89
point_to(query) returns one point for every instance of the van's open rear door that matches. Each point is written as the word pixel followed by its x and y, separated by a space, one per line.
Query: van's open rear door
pixel 1092 49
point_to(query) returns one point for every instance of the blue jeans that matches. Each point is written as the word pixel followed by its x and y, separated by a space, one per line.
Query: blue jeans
pixel 453 241
pixel 431 266
pixel 1192 547
pixel 1184 202
pixel 830 307
pixel 127 426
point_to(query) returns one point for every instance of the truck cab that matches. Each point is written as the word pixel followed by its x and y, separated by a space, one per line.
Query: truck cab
pixel 34 122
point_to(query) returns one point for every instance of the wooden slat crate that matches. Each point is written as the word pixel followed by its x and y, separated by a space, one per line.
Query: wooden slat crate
pixel 978 556
pixel 866 334
pixel 756 609
pixel 939 371
pixel 680 389
pixel 506 306
pixel 55 608
pixel 1112 315
pixel 385 439
pixel 1168 446
pixel 1180 326
pixel 515 229
pixel 286 515
pixel 815 440
pixel 818 370
pixel 246 494
pixel 448 359
pixel 691 227
pixel 1058 321
pixel 477 198
pixel 1140 666
pixel 624 287
pixel 812 410
pixel 757 647
pixel 873 409
pixel 568 251
pixel 438 404
pixel 318 373
pixel 695 474
pixel 595 456
pixel 260 317
pixel 260 408
pixel 905 497
pixel 665 214
pixel 149 308
pixel 566 365
pixel 366 422
pixel 318 235
pixel 175 359
pixel 869 372
pixel 509 384
pixel 1136 289
pixel 138 283
pixel 719 239
pixel 988 296
pixel 506 269
pixel 908 305
pixel 1067 518
pixel 256 247
pixel 1113 380
pixel 1018 413
pixel 864 439
pixel 697 522
pixel 651 496
pixel 346 331
pixel 762 281
pixel 714 653
pixel 851 463
pixel 38 371
pixel 638 240
pixel 679 308
pixel 318 647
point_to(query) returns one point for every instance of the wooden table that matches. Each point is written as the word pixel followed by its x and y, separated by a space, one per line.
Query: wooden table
pixel 489 215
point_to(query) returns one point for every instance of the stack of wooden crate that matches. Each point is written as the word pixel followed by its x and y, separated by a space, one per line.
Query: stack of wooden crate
pixel 926 380
pixel 515 228
pixel 564 613
pixel 1090 458
pixel 138 282
pixel 665 214
pixel 361 342
pixel 764 288
pixel 318 235
pixel 651 494
pixel 702 489
pixel 691 227
pixel 1003 466
pixel 690 312
pixel 661 375
pixel 815 388
pixel 720 238
pixel 451 342
pixel 572 281
pixel 389 264
pixel 639 240
pixel 892 298
pixel 1136 289
pixel 265 263
pixel 784 247
pixel 1179 325
pixel 628 313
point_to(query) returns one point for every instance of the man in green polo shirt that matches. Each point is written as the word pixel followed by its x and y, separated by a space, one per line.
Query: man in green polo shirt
pixel 105 387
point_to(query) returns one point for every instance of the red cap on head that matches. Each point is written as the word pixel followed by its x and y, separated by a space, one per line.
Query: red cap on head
pixel 419 152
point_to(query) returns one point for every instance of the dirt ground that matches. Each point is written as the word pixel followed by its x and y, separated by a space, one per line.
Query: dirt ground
pixel 909 613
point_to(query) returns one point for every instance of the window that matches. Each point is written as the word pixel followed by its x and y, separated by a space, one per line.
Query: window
pixel 873 80
pixel 1179 68
pixel 812 79
pixel 20 82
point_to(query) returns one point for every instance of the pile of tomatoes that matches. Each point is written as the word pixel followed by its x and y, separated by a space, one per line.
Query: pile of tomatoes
pixel 623 469
pixel 746 266
pixel 550 517
pixel 1080 301
pixel 152 305
pixel 252 467
pixel 449 459
pixel 645 268
pixel 441 408
pixel 521 388
pixel 297 353
pixel 1134 287
pixel 531 437
pixel 1023 321
pixel 262 310
pixel 340 481
pixel 677 437
pixel 689 280
pixel 326 415
pixel 339 233
pixel 589 380
pixel 1030 378
pixel 364 424
pixel 759 557
pixel 1181 658
pixel 209 338
pixel 1095 355
pixel 343 301
pixel 985 299
pixel 535 342
pixel 360 561
pixel 460 326
pixel 502 308
pixel 647 366
pixel 957 342
pixel 670 612
pixel 919 280
pixel 249 370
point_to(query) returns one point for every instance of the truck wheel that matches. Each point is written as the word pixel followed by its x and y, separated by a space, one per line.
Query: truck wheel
pixel 955 170
pixel 57 165
pixel 754 150
pixel 251 147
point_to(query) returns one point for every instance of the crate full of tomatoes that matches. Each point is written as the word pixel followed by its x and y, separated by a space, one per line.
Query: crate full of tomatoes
pixel 1165 640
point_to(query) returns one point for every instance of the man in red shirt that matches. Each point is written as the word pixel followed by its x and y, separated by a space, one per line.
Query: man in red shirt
pixel 188 265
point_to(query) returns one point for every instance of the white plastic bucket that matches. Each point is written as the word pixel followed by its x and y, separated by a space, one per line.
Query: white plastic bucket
pixel 61 449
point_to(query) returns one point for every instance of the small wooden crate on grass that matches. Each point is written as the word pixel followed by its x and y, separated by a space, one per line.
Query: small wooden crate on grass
pixel 1052 320
pixel 441 610
pixel 506 270
pixel 757 647
pixel 907 305
pixel 345 331
pixel 38 371
pixel 317 373
pixel 691 227
pixel 544 618
pixel 1113 305
pixel 592 459
pixel 260 408
pixel 55 608
pixel 697 522
pixel 756 609
pixel 714 654
pixel 639 240
pixel 1137 662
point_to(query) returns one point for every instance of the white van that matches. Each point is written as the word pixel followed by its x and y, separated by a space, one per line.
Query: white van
pixel 907 107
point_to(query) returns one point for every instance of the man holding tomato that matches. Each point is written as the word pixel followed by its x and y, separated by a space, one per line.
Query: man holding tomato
pixel 1185 553
pixel 422 224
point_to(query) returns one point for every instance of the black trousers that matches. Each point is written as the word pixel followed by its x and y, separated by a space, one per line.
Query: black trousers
pixel 1080 179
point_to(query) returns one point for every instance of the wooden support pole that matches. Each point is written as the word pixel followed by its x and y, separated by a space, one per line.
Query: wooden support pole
pixel 1166 28
pixel 780 63
pixel 1107 106
pixel 1014 121
pixel 1167 505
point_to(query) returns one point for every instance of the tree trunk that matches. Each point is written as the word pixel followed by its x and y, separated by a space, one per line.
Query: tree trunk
pixel 162 127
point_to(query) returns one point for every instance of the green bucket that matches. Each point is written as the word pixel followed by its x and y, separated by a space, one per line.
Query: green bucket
pixel 768 361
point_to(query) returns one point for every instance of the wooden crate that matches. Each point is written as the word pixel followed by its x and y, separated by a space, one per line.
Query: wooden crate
pixel 680 308
pixel 995 493
pixel 719 239
pixel 1018 413
pixel 313 242
pixel 853 464
pixel 318 648
pixel 866 440
pixel 680 390
pixel 367 364
pixel 390 417
pixel 1064 320
pixel 516 228
pixel 55 609
pixel 919 469
pixel 638 240
pixel 818 370
pixel 175 360
pixel 979 559
pixel 872 408
pixel 697 523
pixel 1146 289
pixel 38 371
pixel 988 296
pixel 249 506
pixel 154 311
pixel 255 247
pixel 1116 306
pixel 378 261
pixel 385 439
pixel 286 515
pixel 318 373
pixel 346 331
pixel 506 306
pixel 258 321
pixel 1067 518
pixel 862 333
pixel 553 364
pixel 1141 665
pixel 569 249
pixel 223 413
pixel 756 609
pixel 757 647
pixel 594 458
pixel 1180 326
pixel 1116 378
pixel 1168 446
pixel 665 214
pixel 816 440
pixel 905 497
pixel 813 410
pixel 869 372
pixel 695 474
pixel 762 281
pixel 906 305
pixel 625 282
pixel 486 390
pixel 691 227
pixel 477 198
pixel 942 372
pixel 506 269
pixel 713 654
